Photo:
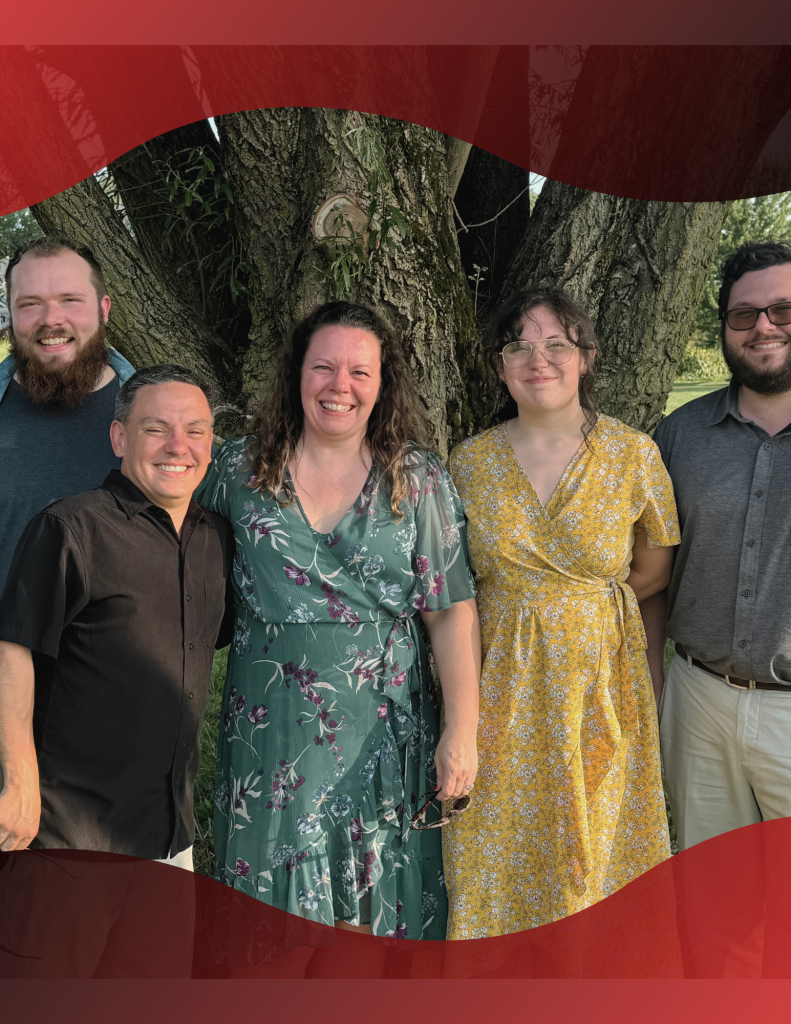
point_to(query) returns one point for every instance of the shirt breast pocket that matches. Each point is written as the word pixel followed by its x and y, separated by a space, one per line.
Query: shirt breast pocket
pixel 215 608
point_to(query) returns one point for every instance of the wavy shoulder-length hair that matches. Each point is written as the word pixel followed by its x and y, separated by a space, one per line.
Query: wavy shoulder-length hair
pixel 395 426
pixel 505 325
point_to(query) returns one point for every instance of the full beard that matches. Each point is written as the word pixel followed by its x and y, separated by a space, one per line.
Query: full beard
pixel 65 387
pixel 764 382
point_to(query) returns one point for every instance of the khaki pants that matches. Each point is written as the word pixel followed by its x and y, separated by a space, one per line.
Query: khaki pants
pixel 727 761
pixel 180 860
pixel 726 752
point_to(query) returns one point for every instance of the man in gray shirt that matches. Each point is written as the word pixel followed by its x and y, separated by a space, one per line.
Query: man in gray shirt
pixel 726 709
pixel 59 385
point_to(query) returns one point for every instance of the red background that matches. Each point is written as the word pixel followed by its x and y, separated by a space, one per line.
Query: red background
pixel 133 98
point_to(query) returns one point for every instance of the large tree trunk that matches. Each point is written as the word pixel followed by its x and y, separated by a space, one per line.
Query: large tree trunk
pixel 184 242
pixel 148 323
pixel 639 268
pixel 493 202
pixel 283 165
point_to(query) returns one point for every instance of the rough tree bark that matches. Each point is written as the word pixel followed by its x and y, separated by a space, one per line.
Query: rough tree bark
pixel 148 323
pixel 283 164
pixel 186 257
pixel 639 268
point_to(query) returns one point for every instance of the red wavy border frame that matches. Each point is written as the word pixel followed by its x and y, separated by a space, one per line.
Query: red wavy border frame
pixel 721 909
pixel 648 122
pixel 67 110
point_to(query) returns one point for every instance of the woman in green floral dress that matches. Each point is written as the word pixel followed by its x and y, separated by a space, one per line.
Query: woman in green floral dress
pixel 345 529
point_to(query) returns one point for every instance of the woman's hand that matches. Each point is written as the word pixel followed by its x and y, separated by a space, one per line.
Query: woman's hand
pixel 456 761
pixel 456 645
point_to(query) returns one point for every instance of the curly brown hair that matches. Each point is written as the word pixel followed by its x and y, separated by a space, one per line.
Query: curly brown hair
pixel 395 426
pixel 505 325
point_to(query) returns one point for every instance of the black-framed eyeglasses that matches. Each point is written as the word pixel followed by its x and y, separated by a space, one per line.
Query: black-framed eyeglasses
pixel 517 353
pixel 746 317
pixel 418 819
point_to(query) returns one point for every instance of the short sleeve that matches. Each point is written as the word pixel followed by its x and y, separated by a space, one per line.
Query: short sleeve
pixel 46 586
pixel 222 476
pixel 658 518
pixel 440 564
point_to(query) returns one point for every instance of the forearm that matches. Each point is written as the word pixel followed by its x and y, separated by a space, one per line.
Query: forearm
pixel 456 643
pixel 643 589
pixel 17 750
pixel 654 612
pixel 20 800
pixel 456 646
pixel 646 584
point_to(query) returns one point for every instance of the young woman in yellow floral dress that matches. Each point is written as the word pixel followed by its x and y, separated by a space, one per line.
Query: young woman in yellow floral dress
pixel 571 522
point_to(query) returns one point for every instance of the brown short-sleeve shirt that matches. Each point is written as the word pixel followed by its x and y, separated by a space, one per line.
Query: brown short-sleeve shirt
pixel 122 617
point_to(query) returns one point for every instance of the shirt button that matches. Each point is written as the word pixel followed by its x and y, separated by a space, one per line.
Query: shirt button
pixel 745 593
pixel 759 494
pixel 183 744
pixel 192 647
pixel 768 447
pixel 742 643
pixel 189 598
pixel 190 695
pixel 750 543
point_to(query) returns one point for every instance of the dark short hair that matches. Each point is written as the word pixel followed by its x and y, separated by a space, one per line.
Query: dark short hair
pixel 164 373
pixel 51 245
pixel 505 325
pixel 749 256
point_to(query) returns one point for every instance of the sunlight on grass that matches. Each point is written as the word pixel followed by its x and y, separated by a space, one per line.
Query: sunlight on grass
pixel 203 850
pixel 683 393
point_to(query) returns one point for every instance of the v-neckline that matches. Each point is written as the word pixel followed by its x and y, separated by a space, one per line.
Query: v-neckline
pixel 523 472
pixel 347 513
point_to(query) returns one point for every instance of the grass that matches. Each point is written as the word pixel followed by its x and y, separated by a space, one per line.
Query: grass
pixel 670 650
pixel 701 370
pixel 203 849
pixel 685 391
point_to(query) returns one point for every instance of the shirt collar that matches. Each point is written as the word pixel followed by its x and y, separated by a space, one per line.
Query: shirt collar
pixel 727 403
pixel 132 500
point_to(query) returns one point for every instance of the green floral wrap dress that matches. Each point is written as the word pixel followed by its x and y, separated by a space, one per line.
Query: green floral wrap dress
pixel 329 722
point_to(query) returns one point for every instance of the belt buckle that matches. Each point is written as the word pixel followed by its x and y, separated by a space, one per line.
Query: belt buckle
pixel 750 684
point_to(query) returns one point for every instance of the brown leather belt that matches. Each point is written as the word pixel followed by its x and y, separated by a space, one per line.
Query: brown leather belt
pixel 743 684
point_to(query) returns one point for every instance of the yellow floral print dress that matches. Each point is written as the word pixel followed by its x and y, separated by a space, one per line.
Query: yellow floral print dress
pixel 568 803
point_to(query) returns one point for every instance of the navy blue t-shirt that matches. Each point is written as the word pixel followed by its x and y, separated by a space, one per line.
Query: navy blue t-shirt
pixel 45 456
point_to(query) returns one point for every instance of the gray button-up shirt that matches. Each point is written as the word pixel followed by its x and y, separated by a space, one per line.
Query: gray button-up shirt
pixel 730 596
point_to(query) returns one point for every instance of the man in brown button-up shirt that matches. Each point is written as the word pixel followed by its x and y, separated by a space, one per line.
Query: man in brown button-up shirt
pixel 113 605
pixel 114 599
pixel 726 710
